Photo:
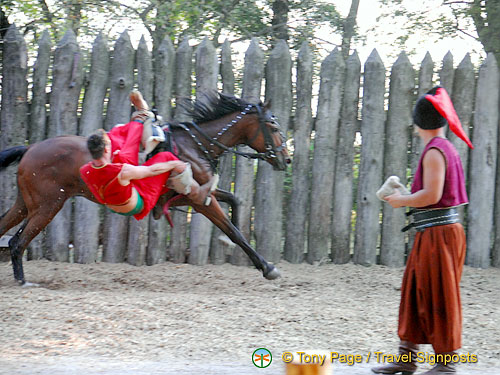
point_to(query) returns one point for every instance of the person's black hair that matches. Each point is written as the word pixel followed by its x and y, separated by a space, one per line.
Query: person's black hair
pixel 425 115
pixel 96 144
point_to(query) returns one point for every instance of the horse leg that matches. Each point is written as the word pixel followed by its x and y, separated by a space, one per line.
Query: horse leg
pixel 16 255
pixel 13 216
pixel 20 241
pixel 234 203
pixel 217 216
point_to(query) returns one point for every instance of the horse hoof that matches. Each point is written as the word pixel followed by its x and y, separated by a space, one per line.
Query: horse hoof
pixel 272 273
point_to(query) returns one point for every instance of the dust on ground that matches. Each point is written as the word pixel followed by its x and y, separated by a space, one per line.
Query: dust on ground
pixel 186 315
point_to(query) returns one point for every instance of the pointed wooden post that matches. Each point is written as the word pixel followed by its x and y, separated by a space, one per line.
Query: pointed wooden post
pixel 372 156
pixel 446 77
pixel 87 213
pixel 96 86
pixel 38 117
pixel 325 141
pixel 119 107
pixel 344 179
pixel 218 245
pixel 268 220
pixel 295 235
pixel 464 85
pixel 447 73
pixel 64 99
pixel 424 85
pixel 138 231
pixel 244 183
pixel 164 65
pixel 483 159
pixel 13 117
pixel 183 71
pixel 164 75
pixel 66 86
pixel 398 128
pixel 207 69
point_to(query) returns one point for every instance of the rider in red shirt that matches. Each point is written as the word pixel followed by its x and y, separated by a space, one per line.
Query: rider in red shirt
pixel 116 180
pixel 131 189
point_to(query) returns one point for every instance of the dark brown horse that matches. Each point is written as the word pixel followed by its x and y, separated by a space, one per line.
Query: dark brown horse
pixel 48 172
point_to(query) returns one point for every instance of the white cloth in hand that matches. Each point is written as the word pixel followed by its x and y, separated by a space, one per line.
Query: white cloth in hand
pixel 389 187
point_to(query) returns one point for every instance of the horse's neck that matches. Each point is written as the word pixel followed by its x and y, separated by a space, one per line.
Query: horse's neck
pixel 228 134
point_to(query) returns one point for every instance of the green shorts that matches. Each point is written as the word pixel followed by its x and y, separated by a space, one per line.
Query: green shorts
pixel 138 208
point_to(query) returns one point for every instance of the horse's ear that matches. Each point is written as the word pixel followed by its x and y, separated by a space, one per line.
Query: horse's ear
pixel 267 104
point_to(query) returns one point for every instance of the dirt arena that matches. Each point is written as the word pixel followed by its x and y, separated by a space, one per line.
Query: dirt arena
pixel 91 316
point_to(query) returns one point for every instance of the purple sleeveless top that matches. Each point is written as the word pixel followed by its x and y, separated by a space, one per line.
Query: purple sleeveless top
pixel 454 193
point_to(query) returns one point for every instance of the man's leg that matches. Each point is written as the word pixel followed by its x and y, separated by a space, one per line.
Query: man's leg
pixel 445 364
pixel 152 134
pixel 181 180
pixel 125 142
pixel 407 365
pixel 126 139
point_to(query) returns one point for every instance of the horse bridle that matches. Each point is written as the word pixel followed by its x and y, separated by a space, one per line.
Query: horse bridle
pixel 271 150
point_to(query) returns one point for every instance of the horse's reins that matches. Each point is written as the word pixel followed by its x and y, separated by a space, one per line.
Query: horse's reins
pixel 271 149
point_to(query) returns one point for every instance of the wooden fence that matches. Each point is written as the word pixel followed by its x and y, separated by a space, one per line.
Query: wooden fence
pixel 328 209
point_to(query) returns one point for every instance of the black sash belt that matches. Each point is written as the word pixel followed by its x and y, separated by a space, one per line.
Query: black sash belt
pixel 431 218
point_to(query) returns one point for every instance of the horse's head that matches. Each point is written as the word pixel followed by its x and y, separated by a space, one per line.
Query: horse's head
pixel 268 139
pixel 257 127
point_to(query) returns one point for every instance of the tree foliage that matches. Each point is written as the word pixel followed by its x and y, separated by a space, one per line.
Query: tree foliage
pixel 34 16
pixel 477 19
pixel 238 20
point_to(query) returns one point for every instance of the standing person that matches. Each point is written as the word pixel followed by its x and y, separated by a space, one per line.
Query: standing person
pixel 430 309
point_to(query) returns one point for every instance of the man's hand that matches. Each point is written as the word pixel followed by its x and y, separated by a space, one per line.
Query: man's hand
pixel 134 172
pixel 395 199
pixel 173 165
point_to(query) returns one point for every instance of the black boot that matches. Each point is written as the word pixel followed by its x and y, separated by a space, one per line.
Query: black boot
pixel 404 367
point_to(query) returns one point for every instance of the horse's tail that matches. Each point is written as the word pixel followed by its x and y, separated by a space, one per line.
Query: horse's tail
pixel 11 155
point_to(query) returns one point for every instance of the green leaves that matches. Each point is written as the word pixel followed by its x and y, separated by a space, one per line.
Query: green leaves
pixel 438 19
pixel 236 19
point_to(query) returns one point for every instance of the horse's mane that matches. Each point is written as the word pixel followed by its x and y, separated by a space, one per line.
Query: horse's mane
pixel 212 105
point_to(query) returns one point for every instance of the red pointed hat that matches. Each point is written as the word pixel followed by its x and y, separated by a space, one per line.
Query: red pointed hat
pixel 434 109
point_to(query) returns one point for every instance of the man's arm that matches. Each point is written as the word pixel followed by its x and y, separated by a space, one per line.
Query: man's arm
pixel 434 174
pixel 132 172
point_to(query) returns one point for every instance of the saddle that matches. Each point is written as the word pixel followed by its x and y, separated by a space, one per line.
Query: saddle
pixel 158 139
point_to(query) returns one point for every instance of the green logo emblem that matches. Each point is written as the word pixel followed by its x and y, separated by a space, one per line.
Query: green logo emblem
pixel 262 358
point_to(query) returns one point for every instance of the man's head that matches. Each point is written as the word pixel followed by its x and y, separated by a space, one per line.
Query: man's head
pixel 434 109
pixel 97 143
pixel 425 115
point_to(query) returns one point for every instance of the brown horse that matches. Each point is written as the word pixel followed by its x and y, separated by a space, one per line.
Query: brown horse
pixel 48 172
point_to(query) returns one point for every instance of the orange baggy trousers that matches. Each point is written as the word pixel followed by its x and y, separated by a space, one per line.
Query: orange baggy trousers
pixel 430 311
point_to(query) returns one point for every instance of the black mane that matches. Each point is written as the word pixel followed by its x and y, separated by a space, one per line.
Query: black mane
pixel 212 105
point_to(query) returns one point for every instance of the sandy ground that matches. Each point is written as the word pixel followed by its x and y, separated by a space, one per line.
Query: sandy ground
pixel 182 319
